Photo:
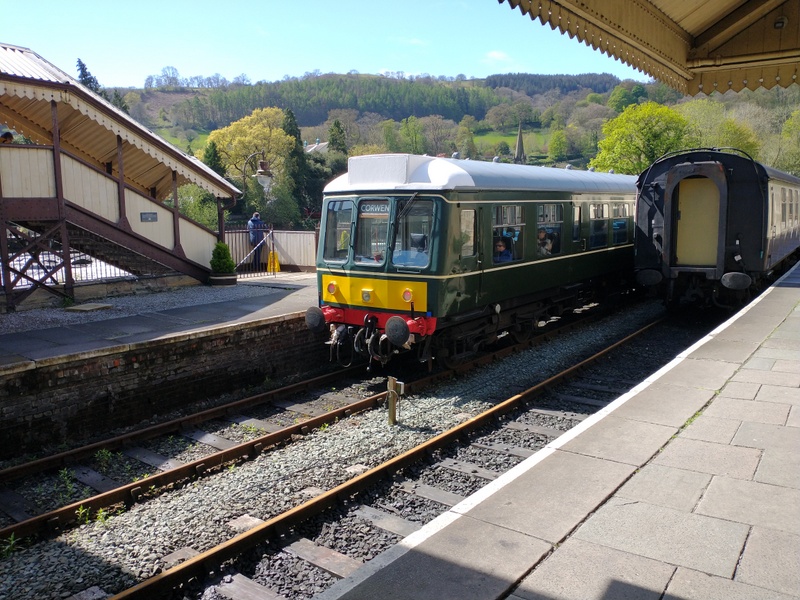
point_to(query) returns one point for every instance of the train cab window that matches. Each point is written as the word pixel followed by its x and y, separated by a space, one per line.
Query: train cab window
pixel 507 228
pixel 549 228
pixel 372 227
pixel 414 223
pixel 338 223
pixel 619 224
pixel 598 225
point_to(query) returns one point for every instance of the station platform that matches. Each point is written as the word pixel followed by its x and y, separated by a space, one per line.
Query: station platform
pixel 686 487
pixel 283 293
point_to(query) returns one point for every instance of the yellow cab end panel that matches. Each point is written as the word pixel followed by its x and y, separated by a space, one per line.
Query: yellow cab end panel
pixel 370 292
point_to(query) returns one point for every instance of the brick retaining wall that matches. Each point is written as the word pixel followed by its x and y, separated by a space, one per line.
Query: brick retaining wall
pixel 74 397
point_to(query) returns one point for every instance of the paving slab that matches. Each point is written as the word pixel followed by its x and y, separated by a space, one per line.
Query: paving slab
pixel 707 457
pixel 686 539
pixel 688 584
pixel 794 417
pixel 590 571
pixel 765 436
pixel 781 468
pixel 745 391
pixel 777 343
pixel 712 429
pixel 748 410
pixel 665 404
pixel 763 364
pixel 765 352
pixel 700 374
pixel 771 561
pixel 665 486
pixel 777 393
pixel 621 440
pixel 550 500
pixel 752 503
pixel 791 380
pixel 725 349
pixel 471 560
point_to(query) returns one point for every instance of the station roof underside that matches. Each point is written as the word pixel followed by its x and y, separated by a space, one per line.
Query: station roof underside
pixel 694 47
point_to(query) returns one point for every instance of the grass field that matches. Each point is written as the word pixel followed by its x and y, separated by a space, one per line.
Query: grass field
pixel 534 142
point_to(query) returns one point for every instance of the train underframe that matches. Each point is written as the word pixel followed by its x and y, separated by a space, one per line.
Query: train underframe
pixel 460 337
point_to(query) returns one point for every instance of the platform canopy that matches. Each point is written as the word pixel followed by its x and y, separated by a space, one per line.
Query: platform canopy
pixel 694 46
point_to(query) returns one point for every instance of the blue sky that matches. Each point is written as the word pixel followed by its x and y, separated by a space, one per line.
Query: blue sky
pixel 123 43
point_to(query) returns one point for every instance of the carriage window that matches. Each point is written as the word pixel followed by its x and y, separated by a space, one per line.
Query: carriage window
pixel 413 232
pixel 467 233
pixel 371 230
pixel 576 223
pixel 619 225
pixel 338 221
pixel 783 209
pixel 549 227
pixel 507 227
pixel 598 225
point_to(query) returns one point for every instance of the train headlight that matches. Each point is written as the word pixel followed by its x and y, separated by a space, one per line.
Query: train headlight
pixel 332 288
pixel 408 295
pixel 366 295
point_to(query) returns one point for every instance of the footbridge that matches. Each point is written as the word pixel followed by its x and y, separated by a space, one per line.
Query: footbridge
pixel 81 177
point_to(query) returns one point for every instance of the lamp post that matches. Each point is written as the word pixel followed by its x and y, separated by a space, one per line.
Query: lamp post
pixel 263 174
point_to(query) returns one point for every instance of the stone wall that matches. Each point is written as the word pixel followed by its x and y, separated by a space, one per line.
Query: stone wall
pixel 75 397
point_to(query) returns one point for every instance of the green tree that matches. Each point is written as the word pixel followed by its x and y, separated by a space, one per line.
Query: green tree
pixel 259 133
pixel 213 160
pixel 90 81
pixel 196 203
pixel 620 98
pixel 738 135
pixel 412 135
pixel 558 146
pixel 640 135
pixel 789 158
pixel 391 139
pixel 336 138
pixel 297 169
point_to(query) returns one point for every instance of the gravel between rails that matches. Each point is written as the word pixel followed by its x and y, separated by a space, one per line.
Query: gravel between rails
pixel 116 552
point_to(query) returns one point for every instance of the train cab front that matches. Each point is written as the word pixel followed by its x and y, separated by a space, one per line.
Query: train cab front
pixel 373 277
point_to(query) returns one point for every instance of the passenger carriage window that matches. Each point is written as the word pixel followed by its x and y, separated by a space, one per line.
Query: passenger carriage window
pixel 412 237
pixel 549 228
pixel 338 222
pixel 576 223
pixel 467 240
pixel 507 229
pixel 783 209
pixel 619 223
pixel 598 225
pixel 372 228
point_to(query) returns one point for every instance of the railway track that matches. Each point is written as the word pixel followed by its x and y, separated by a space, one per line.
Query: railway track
pixel 49 494
pixel 490 456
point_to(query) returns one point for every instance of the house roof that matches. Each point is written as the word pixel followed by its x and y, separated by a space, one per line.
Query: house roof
pixel 89 125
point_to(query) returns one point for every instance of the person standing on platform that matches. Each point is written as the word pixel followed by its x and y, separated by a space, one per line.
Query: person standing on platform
pixel 256 228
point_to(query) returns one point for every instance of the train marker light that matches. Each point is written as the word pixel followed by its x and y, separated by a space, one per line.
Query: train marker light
pixel 408 295
pixel 366 295
pixel 332 288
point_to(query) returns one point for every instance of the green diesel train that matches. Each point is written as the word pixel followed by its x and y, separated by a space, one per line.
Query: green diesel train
pixel 441 256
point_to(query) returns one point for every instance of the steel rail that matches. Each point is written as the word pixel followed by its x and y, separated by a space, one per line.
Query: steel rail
pixel 70 456
pixel 210 560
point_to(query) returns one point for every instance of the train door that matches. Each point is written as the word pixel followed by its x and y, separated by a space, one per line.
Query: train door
pixel 697 223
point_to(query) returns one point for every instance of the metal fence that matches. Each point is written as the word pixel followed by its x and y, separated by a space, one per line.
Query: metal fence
pixel 279 251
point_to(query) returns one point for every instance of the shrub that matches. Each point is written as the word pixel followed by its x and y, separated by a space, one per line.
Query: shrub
pixel 221 261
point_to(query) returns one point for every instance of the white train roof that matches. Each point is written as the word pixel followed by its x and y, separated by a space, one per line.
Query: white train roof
pixel 413 173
